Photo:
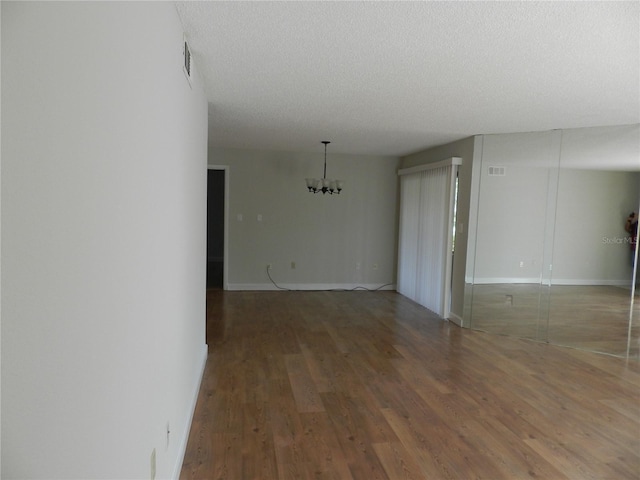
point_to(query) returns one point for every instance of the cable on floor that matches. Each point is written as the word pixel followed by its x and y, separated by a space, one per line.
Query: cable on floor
pixel 325 290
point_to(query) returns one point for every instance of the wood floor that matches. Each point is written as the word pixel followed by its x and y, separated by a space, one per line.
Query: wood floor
pixel 363 385
pixel 589 317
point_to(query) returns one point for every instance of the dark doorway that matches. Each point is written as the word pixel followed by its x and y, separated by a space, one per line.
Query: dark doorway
pixel 215 228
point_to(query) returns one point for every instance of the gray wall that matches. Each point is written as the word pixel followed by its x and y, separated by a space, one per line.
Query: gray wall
pixel 103 240
pixel 590 244
pixel 336 241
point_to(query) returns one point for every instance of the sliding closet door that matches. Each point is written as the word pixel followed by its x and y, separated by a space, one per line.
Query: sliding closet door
pixel 426 235
pixel 408 243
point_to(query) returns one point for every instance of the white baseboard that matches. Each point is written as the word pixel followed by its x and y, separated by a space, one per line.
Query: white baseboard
pixel 309 286
pixel 594 282
pixel 554 281
pixel 455 319
pixel 494 280
pixel 185 439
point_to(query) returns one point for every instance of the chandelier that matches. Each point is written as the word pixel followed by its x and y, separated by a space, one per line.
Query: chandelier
pixel 324 185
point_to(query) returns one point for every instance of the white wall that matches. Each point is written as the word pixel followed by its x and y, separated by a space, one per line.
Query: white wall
pixel 327 236
pixel 602 148
pixel 512 209
pixel 103 240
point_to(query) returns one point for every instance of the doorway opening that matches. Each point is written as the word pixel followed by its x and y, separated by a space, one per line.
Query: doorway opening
pixel 216 193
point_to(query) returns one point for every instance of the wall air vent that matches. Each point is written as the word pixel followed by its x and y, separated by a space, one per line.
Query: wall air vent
pixel 497 171
pixel 187 61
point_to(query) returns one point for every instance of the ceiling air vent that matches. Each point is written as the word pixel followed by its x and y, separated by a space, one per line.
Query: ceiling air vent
pixel 497 171
pixel 187 61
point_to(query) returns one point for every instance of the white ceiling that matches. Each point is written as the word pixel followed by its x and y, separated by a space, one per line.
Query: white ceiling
pixel 392 78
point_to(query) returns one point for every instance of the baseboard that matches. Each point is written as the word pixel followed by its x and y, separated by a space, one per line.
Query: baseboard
pixel 309 286
pixel 498 280
pixel 554 281
pixel 183 444
pixel 455 319
pixel 591 282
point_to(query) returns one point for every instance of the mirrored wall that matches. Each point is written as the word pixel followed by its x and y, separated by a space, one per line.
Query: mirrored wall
pixel 552 260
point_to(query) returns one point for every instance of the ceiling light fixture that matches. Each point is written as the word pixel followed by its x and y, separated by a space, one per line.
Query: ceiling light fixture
pixel 324 185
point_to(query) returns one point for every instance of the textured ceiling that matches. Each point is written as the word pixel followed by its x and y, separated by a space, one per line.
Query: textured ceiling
pixel 392 78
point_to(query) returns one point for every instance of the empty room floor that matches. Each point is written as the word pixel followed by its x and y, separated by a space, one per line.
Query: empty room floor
pixel 370 385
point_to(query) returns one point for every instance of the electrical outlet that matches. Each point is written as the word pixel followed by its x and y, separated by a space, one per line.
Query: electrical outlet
pixel 293 265
pixel 269 266
pixel 153 464
pixel 521 264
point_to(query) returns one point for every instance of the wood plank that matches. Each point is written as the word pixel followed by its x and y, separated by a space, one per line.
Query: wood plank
pixel 326 459
pixel 398 462
pixel 258 449
pixel 302 385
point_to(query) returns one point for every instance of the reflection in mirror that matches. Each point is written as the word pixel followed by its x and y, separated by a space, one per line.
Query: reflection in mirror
pixel 515 189
pixel 592 262
pixel 592 281
pixel 552 258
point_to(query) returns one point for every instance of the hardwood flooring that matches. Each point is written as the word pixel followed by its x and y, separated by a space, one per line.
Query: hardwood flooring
pixel 364 385
pixel 593 317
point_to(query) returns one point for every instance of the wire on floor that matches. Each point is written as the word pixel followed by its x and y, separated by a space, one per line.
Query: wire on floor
pixel 326 290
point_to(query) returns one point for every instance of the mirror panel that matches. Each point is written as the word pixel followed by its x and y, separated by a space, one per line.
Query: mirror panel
pixel 508 295
pixel 550 259
pixel 592 262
